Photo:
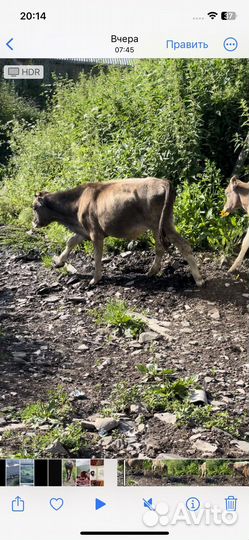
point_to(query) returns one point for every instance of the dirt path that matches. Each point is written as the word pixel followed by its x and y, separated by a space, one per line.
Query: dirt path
pixel 49 337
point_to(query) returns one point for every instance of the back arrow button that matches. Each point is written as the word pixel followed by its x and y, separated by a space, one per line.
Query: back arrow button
pixel 9 44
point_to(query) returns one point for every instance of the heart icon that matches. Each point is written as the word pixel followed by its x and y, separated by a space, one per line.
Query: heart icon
pixel 56 503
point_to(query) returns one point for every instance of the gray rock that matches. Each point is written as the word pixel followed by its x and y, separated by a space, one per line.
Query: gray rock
pixel 169 456
pixel 104 425
pixel 152 444
pixel 146 337
pixel 52 299
pixel 70 269
pixel 57 449
pixel 13 427
pixel 117 445
pixel 125 254
pixel 205 447
pixel 194 437
pixel 89 426
pixel 136 408
pixel 76 299
pixel 214 314
pixel 185 324
pixel 19 354
pixel 107 441
pixel 166 418
pixel 243 446
pixel 77 394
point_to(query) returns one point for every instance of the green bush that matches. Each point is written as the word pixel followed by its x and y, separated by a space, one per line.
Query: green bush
pixel 197 212
pixel 13 108
pixel 163 118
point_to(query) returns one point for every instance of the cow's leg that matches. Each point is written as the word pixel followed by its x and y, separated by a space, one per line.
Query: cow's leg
pixel 72 242
pixel 245 245
pixel 186 251
pixel 159 251
pixel 98 251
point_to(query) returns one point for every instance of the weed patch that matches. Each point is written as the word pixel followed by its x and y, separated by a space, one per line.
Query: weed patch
pixel 57 408
pixel 56 413
pixel 161 391
pixel 116 315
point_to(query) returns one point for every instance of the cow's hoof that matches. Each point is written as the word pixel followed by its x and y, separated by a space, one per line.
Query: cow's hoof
pixel 152 272
pixel 232 269
pixel 200 282
pixel 94 281
pixel 58 263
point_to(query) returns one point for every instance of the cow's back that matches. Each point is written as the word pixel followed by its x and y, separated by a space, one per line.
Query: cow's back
pixel 124 208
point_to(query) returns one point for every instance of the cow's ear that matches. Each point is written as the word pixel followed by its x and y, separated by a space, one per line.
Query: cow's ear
pixel 235 182
pixel 41 198
pixel 41 193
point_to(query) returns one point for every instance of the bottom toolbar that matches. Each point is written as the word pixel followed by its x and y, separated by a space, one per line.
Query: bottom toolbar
pixel 178 512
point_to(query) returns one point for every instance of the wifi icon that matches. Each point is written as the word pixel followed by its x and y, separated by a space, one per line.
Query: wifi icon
pixel 212 14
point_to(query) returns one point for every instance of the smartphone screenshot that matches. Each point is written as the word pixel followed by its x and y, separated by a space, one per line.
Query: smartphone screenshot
pixel 124 242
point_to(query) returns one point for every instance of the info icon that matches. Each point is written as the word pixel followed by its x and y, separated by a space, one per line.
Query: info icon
pixel 193 504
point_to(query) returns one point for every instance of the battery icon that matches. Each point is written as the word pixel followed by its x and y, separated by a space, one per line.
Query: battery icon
pixel 228 15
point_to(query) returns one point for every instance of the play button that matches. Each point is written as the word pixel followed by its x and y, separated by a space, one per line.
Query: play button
pixel 99 504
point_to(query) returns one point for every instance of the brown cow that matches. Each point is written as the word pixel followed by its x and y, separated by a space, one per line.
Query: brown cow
pixel 203 470
pixel 123 209
pixel 237 194
pixel 69 469
pixel 159 467
pixel 242 467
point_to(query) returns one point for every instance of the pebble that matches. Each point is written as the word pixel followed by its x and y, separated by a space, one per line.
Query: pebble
pixel 214 314
pixel 83 347
pixel 52 299
pixel 19 354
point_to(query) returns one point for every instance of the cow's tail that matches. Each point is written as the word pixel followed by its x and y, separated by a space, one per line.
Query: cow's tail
pixel 166 219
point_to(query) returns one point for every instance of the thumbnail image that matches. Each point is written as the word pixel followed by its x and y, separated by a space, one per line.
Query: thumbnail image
pixel 182 472
pixel 83 468
pixel 69 472
pixel 26 472
pixel 12 472
pixel 97 472
pixel 124 193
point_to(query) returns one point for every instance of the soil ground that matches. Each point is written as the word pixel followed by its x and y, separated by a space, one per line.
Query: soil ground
pixel 46 316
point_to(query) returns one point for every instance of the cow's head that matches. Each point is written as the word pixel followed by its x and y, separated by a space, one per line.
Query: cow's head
pixel 42 213
pixel 233 201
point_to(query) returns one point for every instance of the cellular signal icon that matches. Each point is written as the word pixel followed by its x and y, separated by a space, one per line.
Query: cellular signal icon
pixel 212 14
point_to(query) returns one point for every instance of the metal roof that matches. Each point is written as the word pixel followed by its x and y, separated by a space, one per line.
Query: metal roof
pixel 106 61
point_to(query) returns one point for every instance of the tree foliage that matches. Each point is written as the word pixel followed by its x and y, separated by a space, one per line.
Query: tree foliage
pixel 179 119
